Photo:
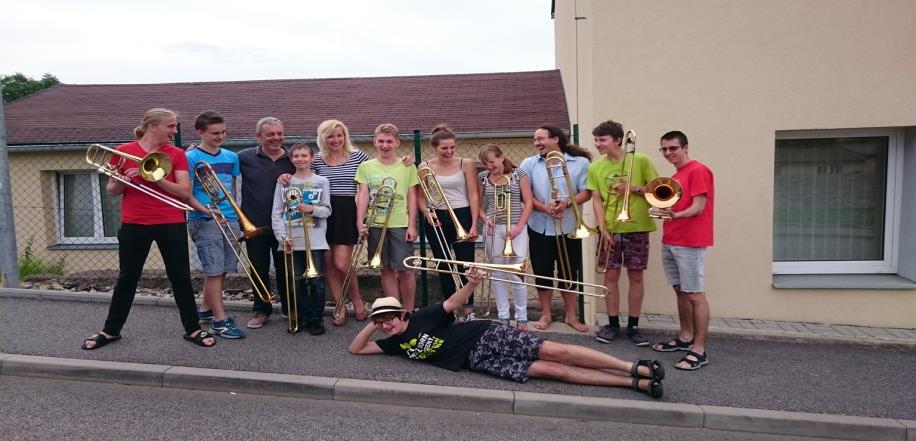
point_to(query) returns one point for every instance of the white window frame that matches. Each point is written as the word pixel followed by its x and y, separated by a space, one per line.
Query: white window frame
pixel 98 229
pixel 893 201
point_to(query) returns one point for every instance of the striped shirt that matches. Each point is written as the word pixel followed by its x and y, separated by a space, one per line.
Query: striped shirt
pixel 499 217
pixel 341 176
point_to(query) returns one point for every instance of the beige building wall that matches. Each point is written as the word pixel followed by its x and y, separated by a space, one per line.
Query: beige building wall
pixel 730 74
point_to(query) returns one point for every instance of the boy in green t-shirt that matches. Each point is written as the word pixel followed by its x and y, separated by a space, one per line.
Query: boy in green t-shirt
pixel 623 243
pixel 384 171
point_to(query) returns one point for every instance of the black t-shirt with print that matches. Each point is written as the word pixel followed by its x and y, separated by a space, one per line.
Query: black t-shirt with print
pixel 433 337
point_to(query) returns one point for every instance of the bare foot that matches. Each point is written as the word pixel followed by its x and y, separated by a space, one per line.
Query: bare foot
pixel 576 324
pixel 542 324
pixel 341 319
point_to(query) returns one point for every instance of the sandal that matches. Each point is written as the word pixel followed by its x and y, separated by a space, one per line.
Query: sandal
pixel 655 390
pixel 657 371
pixel 199 339
pixel 693 364
pixel 675 344
pixel 100 340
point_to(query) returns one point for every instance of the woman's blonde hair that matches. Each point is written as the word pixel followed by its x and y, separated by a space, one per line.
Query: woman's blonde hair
pixel 325 129
pixel 495 150
pixel 152 116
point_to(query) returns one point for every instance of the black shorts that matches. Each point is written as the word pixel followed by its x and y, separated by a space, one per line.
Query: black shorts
pixel 342 223
pixel 545 257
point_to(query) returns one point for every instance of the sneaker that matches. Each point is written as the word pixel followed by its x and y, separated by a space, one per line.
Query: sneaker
pixel 636 337
pixel 284 315
pixel 470 317
pixel 226 328
pixel 504 321
pixel 606 334
pixel 522 325
pixel 257 320
pixel 204 317
pixel 316 327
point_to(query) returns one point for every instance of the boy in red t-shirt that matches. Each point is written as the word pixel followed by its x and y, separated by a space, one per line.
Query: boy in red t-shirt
pixel 685 238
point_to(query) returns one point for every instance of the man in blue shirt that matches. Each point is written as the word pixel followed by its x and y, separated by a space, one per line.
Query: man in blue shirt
pixel 553 218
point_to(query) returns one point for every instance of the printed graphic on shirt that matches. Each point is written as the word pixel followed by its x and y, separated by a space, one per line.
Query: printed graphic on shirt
pixel 422 347
pixel 311 195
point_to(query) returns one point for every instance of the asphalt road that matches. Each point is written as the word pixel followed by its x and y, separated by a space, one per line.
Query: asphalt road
pixel 806 377
pixel 38 409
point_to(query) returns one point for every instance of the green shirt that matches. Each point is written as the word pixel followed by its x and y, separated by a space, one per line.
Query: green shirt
pixel 372 172
pixel 643 172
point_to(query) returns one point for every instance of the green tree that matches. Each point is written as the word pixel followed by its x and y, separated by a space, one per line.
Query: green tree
pixel 17 85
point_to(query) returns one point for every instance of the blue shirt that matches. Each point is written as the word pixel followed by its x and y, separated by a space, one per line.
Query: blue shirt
pixel 226 165
pixel 539 221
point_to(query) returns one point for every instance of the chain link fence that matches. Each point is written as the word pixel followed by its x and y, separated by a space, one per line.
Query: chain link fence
pixel 66 225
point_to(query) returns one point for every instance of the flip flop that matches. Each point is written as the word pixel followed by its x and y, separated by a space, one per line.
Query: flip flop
pixel 199 339
pixel 100 340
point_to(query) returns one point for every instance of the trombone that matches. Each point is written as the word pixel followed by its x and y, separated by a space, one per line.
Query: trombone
pixel 341 300
pixel 662 193
pixel 518 270
pixel 432 190
pixel 217 192
pixel 502 205
pixel 291 197
pixel 384 201
pixel 153 168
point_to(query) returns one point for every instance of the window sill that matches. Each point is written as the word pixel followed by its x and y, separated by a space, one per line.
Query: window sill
pixel 841 281
pixel 83 246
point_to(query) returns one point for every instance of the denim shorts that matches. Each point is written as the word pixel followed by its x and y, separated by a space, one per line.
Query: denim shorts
pixel 394 250
pixel 684 267
pixel 214 252
pixel 505 352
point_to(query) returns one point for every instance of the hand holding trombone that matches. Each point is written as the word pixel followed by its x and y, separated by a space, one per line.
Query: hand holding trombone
pixel 152 168
pixel 618 197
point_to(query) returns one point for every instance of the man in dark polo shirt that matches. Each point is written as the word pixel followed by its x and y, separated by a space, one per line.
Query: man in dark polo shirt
pixel 261 166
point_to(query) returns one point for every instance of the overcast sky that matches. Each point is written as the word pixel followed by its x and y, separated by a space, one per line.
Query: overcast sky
pixel 127 41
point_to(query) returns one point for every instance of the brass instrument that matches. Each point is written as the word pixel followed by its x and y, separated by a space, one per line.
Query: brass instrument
pixel 518 270
pixel 290 196
pixel 293 196
pixel 152 168
pixel 662 193
pixel 217 192
pixel 435 196
pixel 341 300
pixel 384 201
pixel 559 160
pixel 502 201
pixel 628 140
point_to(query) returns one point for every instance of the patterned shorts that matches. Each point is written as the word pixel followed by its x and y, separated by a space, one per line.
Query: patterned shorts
pixel 505 352
pixel 630 250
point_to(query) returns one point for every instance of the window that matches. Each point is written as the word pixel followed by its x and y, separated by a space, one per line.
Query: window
pixel 837 197
pixel 85 213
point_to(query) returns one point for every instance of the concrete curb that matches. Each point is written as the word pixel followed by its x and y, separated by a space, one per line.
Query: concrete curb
pixel 520 403
pixel 245 306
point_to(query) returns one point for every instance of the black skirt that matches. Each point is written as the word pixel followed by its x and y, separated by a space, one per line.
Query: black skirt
pixel 342 223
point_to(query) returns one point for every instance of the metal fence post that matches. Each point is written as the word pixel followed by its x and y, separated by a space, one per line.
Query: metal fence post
pixel 575 130
pixel 424 284
pixel 9 262
pixel 178 136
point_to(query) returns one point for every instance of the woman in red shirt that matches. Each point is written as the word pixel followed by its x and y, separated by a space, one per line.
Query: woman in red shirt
pixel 144 220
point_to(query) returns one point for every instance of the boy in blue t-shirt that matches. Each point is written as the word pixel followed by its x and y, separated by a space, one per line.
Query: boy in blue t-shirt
pixel 217 255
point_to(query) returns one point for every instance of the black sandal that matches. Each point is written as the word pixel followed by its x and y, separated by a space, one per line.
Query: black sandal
pixel 675 344
pixel 697 362
pixel 657 371
pixel 199 339
pixel 100 340
pixel 656 389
